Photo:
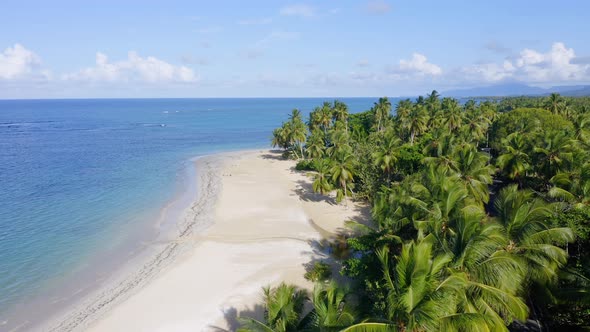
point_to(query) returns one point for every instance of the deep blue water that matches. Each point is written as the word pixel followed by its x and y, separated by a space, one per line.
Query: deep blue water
pixel 76 176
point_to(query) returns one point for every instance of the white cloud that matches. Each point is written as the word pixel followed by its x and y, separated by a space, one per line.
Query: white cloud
pixel 378 7
pixel 558 65
pixel 489 72
pixel 298 10
pixel 418 65
pixel 18 62
pixel 554 65
pixel 134 68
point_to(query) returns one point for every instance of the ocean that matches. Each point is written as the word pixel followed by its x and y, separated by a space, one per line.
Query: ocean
pixel 82 181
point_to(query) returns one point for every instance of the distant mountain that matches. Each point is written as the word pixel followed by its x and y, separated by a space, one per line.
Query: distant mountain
pixel 574 91
pixel 518 89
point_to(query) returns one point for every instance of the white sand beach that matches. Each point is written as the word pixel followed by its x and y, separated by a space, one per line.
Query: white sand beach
pixel 267 224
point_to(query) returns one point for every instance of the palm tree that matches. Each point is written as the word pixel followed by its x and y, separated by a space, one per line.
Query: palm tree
pixel 582 127
pixel 342 174
pixel 536 243
pixel 402 111
pixel 331 310
pixel 298 130
pixel 553 103
pixel 514 161
pixel 493 276
pixel 417 122
pixel 452 110
pixel 325 117
pixel 280 137
pixel 476 125
pixel 382 111
pixel 340 113
pixel 339 139
pixel 474 171
pixel 445 196
pixel 283 310
pixel 470 106
pixel 433 103
pixel 387 153
pixel 555 154
pixel 315 119
pixel 565 109
pixel 445 162
pixel 441 144
pixel 572 186
pixel 421 295
pixel 398 206
pixel 321 183
pixel 316 145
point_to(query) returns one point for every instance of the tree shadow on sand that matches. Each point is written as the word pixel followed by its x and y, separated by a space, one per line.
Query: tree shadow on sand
pixel 273 155
pixel 305 192
pixel 323 252
pixel 320 252
pixel 232 317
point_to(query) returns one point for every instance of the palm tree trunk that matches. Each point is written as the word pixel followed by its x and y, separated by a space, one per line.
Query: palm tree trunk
pixel 301 149
pixel 345 193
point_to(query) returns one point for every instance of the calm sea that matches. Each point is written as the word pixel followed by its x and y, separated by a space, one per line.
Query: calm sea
pixel 80 177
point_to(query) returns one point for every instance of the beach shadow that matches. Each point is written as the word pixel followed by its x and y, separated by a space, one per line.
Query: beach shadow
pixel 305 192
pixel 362 214
pixel 274 155
pixel 323 251
pixel 232 317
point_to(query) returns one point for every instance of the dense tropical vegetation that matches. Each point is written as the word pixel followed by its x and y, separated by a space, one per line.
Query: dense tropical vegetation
pixel 481 216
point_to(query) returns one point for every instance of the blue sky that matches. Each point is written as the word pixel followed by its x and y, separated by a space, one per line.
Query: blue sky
pixel 79 49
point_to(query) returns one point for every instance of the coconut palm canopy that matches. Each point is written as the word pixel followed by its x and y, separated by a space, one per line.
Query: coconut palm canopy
pixel 481 215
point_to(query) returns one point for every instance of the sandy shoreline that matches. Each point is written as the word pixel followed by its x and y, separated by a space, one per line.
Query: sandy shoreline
pixel 266 223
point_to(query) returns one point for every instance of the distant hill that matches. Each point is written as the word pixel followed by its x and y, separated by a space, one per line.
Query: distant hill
pixel 518 89
pixel 576 91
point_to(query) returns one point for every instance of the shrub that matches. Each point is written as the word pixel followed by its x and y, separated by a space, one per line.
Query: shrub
pixel 320 271
pixel 305 165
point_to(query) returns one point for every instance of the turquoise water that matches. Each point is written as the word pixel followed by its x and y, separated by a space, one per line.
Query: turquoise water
pixel 80 177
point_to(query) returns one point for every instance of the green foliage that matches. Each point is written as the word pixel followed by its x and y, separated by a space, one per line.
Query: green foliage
pixel 284 310
pixel 475 212
pixel 360 124
pixel 410 158
pixel 291 135
pixel 321 181
pixel 284 307
pixel 368 175
pixel 527 121
pixel 577 219
pixel 320 271
pixel 305 165
pixel 331 310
